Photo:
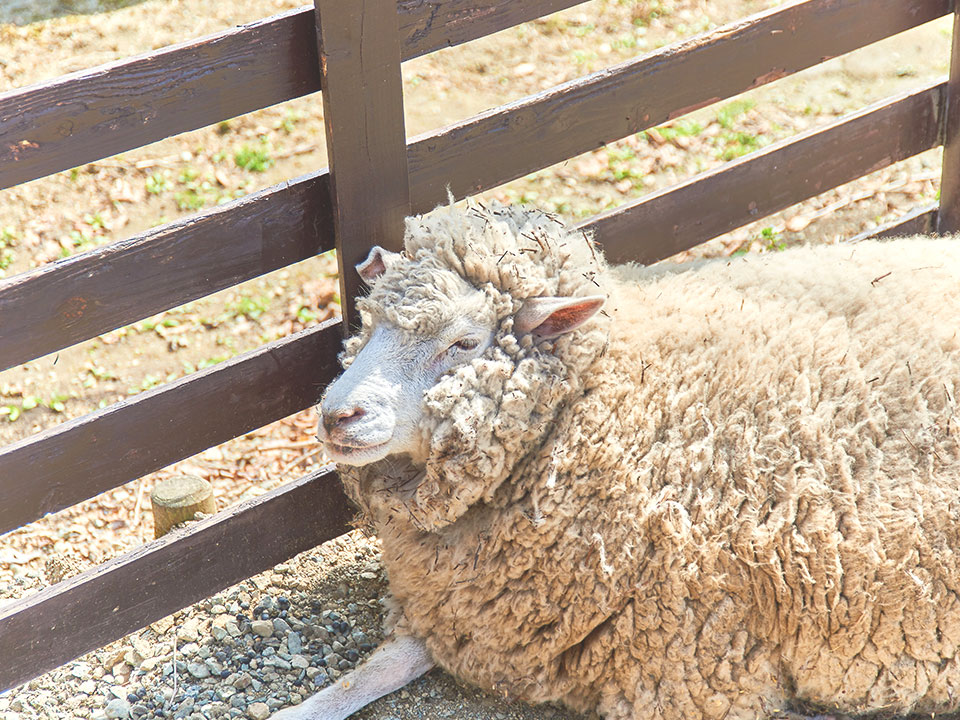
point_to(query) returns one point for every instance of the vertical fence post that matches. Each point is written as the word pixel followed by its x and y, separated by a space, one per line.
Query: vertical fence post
pixel 948 217
pixel 359 48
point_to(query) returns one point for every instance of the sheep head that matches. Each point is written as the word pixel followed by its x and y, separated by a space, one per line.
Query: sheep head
pixel 470 341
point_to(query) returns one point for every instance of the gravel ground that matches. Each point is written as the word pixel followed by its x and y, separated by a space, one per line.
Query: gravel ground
pixel 265 643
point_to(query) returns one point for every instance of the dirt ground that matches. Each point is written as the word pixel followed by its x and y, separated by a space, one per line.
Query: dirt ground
pixel 111 199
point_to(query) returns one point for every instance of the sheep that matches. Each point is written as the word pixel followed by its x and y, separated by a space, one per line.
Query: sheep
pixel 725 489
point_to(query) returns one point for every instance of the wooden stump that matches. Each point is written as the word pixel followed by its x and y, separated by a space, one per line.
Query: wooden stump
pixel 177 499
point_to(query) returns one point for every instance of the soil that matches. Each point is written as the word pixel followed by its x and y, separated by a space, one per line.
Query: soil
pixel 109 200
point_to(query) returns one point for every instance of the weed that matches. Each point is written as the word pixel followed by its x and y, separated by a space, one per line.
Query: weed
pixel 253 159
pixel 739 143
pixel 148 383
pixel 682 128
pixel 188 175
pixel 157 183
pixel 95 221
pixel 189 199
pixel 730 112
pixel 210 362
pixel 7 255
pixel 57 403
pixel 247 306
pixel 306 314
pixel 292 117
pixel 76 240
pixel 772 240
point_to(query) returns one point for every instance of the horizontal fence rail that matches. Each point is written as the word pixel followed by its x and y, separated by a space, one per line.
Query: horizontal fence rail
pixel 921 221
pixel 96 113
pixel 580 115
pixel 80 297
pixel 472 156
pixel 85 612
pixel 772 179
pixel 80 458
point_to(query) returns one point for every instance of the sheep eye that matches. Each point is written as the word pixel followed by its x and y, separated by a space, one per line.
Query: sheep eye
pixel 465 344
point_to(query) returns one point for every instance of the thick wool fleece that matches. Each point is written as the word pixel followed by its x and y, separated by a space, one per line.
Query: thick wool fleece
pixel 741 491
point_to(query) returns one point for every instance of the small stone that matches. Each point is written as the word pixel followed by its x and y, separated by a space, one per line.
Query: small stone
pixel 294 643
pixel 263 628
pixel 233 629
pixel 258 711
pixel 117 708
pixel 88 686
pixel 242 681
pixel 189 631
pixel 218 609
pixel 280 626
pixel 150 663
pixel 198 670
pixel 299 661
pixel 524 69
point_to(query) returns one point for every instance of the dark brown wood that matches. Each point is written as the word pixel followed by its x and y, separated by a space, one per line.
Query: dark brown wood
pixel 771 180
pixel 948 218
pixel 96 113
pixel 429 25
pixel 921 221
pixel 84 612
pixel 92 114
pixel 77 298
pixel 88 455
pixel 583 114
pixel 366 141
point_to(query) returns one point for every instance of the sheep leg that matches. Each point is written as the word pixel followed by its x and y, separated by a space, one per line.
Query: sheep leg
pixel 396 662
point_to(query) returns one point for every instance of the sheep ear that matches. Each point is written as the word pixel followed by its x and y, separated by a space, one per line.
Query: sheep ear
pixel 550 317
pixel 376 263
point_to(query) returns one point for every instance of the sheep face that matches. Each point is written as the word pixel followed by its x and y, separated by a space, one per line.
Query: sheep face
pixel 418 330
pixel 375 408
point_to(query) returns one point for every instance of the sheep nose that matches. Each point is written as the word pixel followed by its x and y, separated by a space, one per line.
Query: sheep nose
pixel 340 418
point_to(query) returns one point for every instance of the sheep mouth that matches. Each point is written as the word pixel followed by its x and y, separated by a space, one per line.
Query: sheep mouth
pixel 347 452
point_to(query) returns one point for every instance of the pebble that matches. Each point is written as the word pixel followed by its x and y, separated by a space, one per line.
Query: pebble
pixel 198 670
pixel 263 628
pixel 117 708
pixel 294 643
pixel 258 711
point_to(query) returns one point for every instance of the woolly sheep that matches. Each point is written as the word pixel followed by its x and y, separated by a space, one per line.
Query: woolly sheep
pixel 734 491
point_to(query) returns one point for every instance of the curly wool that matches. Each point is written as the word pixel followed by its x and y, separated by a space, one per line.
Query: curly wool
pixel 740 493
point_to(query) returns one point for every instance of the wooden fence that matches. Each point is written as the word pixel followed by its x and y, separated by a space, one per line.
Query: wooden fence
pixel 376 178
